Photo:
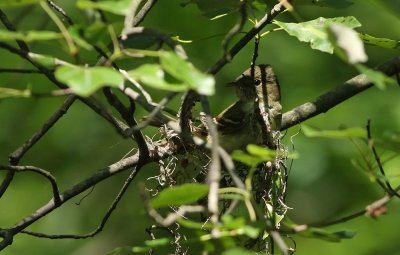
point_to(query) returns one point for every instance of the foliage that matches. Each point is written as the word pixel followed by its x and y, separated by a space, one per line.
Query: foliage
pixel 121 62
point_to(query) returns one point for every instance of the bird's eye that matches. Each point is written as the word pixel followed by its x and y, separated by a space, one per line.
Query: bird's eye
pixel 257 82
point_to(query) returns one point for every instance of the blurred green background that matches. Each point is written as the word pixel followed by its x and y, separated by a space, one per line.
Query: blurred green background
pixel 323 184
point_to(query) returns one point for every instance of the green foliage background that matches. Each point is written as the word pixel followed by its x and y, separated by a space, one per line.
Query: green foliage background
pixel 323 183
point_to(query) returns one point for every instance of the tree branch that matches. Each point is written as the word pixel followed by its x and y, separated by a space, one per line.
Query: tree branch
pixel 336 96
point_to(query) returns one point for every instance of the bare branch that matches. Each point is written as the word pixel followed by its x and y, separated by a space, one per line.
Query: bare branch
pixel 336 96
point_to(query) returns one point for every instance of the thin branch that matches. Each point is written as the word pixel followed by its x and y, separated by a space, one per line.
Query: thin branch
pixel 103 222
pixel 139 17
pixel 60 10
pixel 44 173
pixel 10 27
pixel 129 17
pixel 267 19
pixel 336 96
pixel 15 157
pixel 14 70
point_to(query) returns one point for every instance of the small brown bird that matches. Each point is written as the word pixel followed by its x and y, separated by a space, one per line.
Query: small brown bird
pixel 239 125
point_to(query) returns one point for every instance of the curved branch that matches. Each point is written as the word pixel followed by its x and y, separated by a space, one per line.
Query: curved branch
pixel 337 95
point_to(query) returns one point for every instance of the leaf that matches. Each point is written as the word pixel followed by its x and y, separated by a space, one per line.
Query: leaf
pixel 180 195
pixel 378 78
pixel 17 3
pixel 344 133
pixel 120 7
pixel 77 38
pixel 315 31
pixel 29 36
pixel 84 81
pixel 238 251
pixel 184 71
pixel 348 41
pixel 326 235
pixel 153 76
pixel 13 93
pixel 245 158
pixel 381 42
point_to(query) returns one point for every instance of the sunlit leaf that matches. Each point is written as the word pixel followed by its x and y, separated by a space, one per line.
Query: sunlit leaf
pixel 246 158
pixel 180 195
pixel 323 234
pixel 28 36
pixel 120 7
pixel 153 76
pixel 84 81
pixel 17 3
pixel 343 133
pixel 13 93
pixel 378 78
pixel 315 31
pixel 381 42
pixel 348 41
pixel 184 71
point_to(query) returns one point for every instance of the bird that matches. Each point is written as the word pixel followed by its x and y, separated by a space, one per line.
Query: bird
pixel 258 93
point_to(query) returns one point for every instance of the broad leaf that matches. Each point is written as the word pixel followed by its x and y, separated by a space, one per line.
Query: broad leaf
pixel 29 36
pixel 348 44
pixel 17 3
pixel 376 77
pixel 84 81
pixel 315 31
pixel 12 93
pixel 344 133
pixel 245 158
pixel 153 76
pixel 184 71
pixel 180 195
pixel 120 7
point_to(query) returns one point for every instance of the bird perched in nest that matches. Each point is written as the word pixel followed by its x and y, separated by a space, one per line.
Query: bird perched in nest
pixel 241 124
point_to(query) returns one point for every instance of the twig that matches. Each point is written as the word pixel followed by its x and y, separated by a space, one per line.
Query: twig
pixel 276 10
pixel 15 157
pixel 129 17
pixel 46 174
pixel 214 171
pixel 103 221
pixel 60 10
pixel 337 95
pixel 13 70
pixel 139 17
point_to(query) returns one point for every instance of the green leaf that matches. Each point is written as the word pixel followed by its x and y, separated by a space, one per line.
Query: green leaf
pixel 315 31
pixel 344 133
pixel 77 38
pixel 238 251
pixel 17 3
pixel 84 81
pixel 13 93
pixel 378 78
pixel 323 234
pixel 347 43
pixel 194 225
pixel 120 7
pixel 245 158
pixel 180 195
pixel 29 36
pixel 265 154
pixel 381 42
pixel 153 76
pixel 184 71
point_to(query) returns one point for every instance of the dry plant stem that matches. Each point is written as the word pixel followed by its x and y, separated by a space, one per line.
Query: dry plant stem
pixel 20 152
pixel 130 16
pixel 337 95
pixel 44 173
pixel 214 171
